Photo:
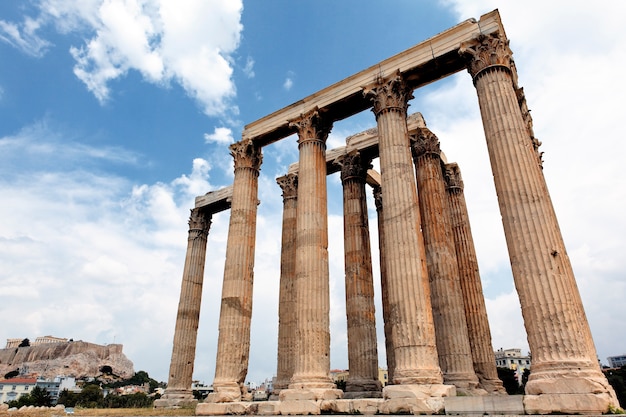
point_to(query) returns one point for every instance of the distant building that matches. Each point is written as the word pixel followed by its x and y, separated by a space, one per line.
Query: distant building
pixel 617 361
pixel 512 359
pixel 41 340
pixel 14 388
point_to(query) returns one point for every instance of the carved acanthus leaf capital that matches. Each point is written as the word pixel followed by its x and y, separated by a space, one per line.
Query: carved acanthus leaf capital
pixel 486 51
pixel 378 198
pixel 312 126
pixel 289 184
pixel 246 155
pixel 425 142
pixel 353 166
pixel 453 178
pixel 390 93
pixel 199 223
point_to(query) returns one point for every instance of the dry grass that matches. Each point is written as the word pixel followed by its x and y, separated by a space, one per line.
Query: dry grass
pixel 102 412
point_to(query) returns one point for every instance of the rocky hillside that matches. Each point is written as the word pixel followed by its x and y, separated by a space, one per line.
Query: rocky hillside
pixel 79 359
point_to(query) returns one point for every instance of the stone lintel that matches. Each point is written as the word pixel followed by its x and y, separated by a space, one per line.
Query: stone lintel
pixel 216 201
pixel 365 142
pixel 428 61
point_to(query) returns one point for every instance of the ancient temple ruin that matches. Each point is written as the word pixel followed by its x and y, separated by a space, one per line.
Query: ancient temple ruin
pixel 437 335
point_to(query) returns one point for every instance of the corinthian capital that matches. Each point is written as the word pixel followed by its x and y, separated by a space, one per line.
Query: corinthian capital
pixel 389 93
pixel 353 166
pixel 312 126
pixel 453 177
pixel 289 184
pixel 425 142
pixel 486 51
pixel 199 223
pixel 246 154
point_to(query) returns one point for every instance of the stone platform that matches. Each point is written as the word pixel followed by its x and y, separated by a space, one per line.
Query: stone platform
pixel 503 405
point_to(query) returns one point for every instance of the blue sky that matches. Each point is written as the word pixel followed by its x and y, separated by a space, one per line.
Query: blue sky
pixel 115 114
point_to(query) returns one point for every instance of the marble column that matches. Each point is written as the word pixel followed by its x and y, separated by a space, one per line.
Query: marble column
pixel 565 373
pixel 453 348
pixel 178 392
pixel 287 304
pixel 233 346
pixel 360 311
pixel 471 286
pixel 312 367
pixel 411 319
pixel 378 201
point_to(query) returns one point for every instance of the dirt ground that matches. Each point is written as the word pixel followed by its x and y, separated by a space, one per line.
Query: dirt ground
pixel 108 412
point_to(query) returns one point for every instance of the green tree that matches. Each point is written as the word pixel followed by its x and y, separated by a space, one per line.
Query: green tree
pixel 40 397
pixel 90 397
pixel 68 398
pixel 25 343
pixel 509 381
pixel 617 379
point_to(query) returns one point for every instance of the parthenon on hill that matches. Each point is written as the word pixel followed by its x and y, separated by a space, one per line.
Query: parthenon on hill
pixel 437 337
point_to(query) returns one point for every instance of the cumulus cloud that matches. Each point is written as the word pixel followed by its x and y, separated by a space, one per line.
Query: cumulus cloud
pixel 221 135
pixel 94 249
pixel 189 43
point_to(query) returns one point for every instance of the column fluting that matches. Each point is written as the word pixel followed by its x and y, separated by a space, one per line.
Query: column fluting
pixel 564 358
pixel 378 201
pixel 453 348
pixel 287 303
pixel 186 330
pixel 360 310
pixel 471 286
pixel 233 348
pixel 312 368
pixel 411 320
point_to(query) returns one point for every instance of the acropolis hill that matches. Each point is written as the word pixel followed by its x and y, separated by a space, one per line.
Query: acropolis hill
pixel 48 357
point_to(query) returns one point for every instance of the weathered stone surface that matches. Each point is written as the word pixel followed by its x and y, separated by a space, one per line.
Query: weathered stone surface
pixel 558 333
pixel 485 405
pixel 312 293
pixel 418 391
pixel 236 408
pixel 78 358
pixel 314 394
pixel 302 407
pixel 568 403
pixel 233 346
pixel 178 392
pixel 267 408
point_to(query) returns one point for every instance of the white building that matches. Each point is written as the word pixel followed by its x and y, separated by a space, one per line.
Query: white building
pixel 513 359
pixel 617 361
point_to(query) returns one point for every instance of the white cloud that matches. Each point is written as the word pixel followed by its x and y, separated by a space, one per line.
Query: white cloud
pixel 101 257
pixel 23 36
pixel 571 77
pixel 288 83
pixel 249 68
pixel 221 135
pixel 187 42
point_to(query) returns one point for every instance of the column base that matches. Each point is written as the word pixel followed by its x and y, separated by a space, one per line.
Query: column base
pixel 492 386
pixel 466 384
pixel 363 386
pixel 310 394
pixel 574 391
pixel 415 399
pixel 227 394
pixel 176 399
pixel 588 404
